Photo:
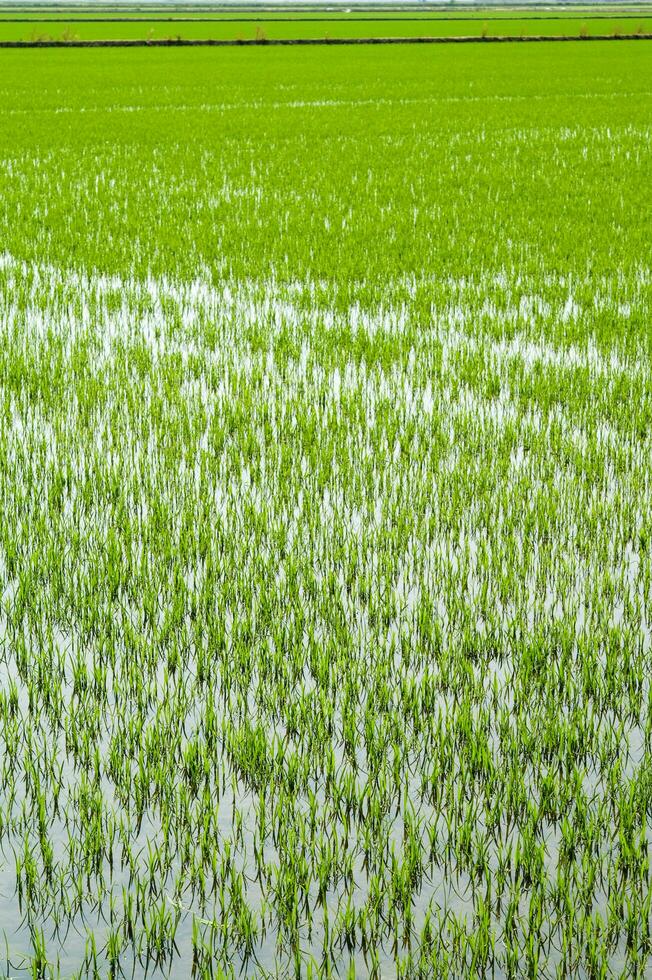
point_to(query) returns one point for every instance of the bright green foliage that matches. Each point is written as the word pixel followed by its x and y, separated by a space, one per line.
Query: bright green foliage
pixel 339 25
pixel 326 511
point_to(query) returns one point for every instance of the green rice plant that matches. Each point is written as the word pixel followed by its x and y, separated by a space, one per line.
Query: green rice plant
pixel 324 541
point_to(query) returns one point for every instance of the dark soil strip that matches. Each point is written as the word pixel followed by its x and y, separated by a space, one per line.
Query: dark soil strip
pixel 295 42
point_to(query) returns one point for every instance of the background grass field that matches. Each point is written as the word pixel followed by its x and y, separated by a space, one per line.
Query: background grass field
pixel 189 23
pixel 322 28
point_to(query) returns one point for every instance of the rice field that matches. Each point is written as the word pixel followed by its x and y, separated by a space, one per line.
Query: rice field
pixel 326 512
pixel 273 27
pixel 285 20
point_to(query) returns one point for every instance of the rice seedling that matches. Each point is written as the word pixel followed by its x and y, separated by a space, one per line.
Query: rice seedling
pixel 325 524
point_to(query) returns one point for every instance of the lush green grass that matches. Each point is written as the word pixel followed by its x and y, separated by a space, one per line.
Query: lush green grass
pixel 325 511
pixel 333 27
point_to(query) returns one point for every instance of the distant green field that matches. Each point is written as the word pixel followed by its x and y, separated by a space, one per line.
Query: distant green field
pixel 334 27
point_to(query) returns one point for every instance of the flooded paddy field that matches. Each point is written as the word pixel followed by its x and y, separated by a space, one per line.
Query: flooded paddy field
pixel 326 512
